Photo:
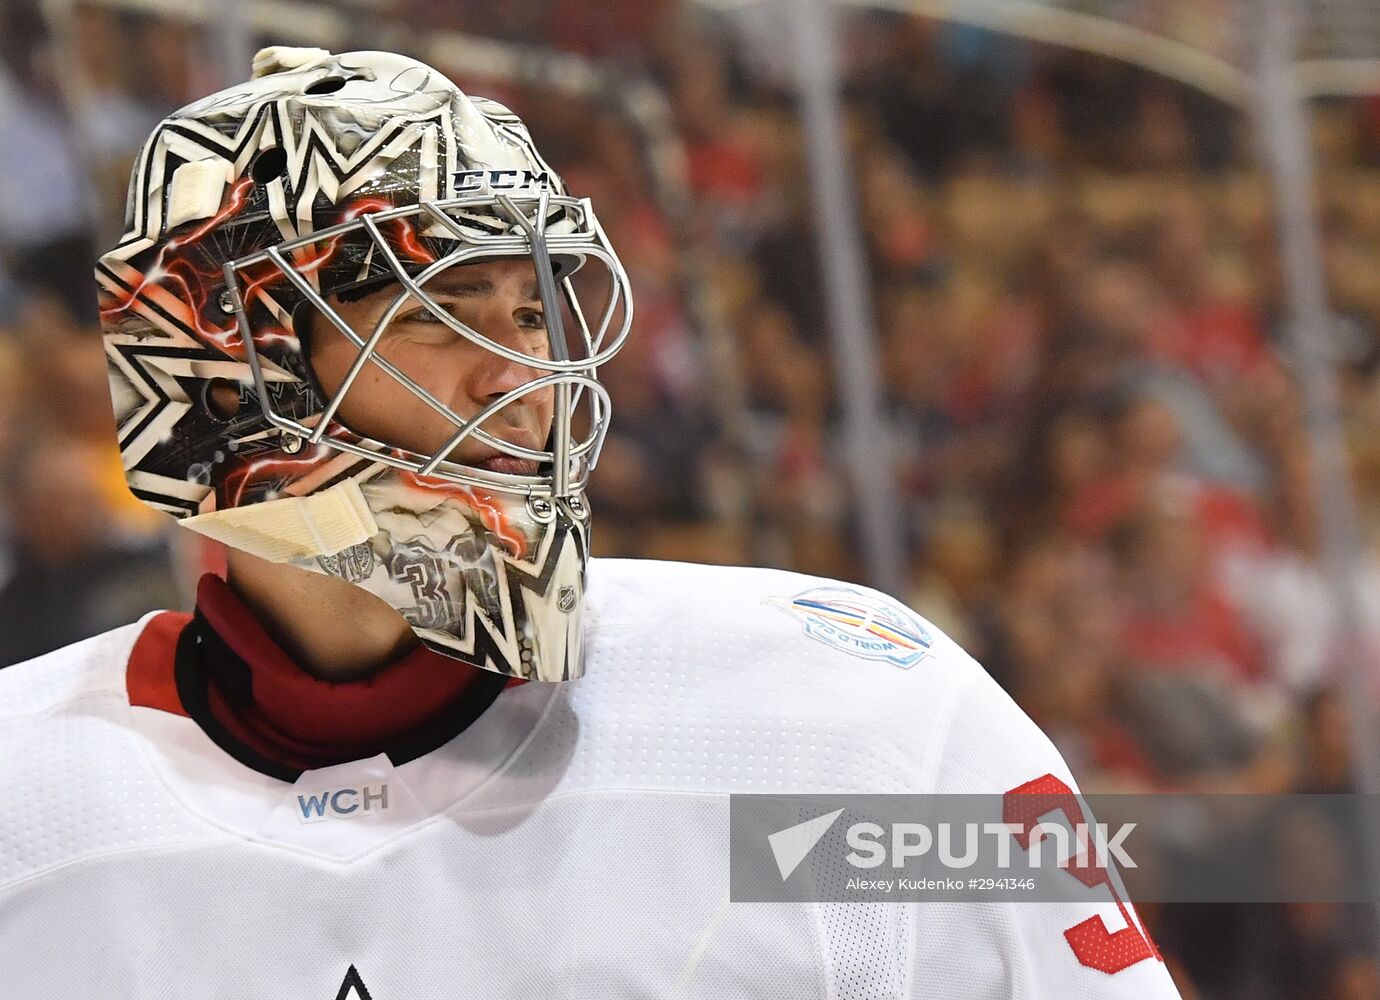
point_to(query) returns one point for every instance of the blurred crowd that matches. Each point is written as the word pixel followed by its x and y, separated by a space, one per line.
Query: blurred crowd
pixel 1096 430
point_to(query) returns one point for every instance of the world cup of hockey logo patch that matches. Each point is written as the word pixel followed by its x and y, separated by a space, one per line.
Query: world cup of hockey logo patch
pixel 865 625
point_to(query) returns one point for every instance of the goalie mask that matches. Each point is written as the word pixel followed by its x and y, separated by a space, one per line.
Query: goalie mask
pixel 259 221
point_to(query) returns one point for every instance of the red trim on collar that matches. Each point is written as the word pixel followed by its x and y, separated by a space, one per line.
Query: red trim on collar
pixel 149 678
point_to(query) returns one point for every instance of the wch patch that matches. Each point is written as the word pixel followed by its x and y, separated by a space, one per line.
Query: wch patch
pixel 866 625
pixel 339 803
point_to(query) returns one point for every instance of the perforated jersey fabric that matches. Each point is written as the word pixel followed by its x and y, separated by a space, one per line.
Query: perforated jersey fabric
pixel 571 843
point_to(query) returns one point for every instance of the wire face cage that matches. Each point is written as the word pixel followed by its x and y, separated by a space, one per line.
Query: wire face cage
pixel 562 238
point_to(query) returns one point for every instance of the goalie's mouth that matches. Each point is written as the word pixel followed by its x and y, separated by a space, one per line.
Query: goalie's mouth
pixel 490 459
pixel 506 465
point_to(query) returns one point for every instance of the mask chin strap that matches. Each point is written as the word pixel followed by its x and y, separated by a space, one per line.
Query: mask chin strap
pixel 291 529
pixel 555 331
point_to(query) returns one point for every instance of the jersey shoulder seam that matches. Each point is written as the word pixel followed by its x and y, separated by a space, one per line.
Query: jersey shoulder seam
pixel 91 857
pixel 60 704
pixel 934 751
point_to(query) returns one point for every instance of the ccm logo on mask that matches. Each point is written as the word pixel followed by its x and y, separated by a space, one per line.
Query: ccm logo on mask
pixel 341 803
pixel 477 181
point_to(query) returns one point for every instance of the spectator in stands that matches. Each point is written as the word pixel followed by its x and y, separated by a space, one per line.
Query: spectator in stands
pixel 68 574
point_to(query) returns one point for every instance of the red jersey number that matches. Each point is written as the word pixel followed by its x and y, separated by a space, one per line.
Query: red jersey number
pixel 1094 945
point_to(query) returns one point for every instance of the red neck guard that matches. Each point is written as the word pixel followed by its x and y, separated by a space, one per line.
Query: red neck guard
pixel 265 701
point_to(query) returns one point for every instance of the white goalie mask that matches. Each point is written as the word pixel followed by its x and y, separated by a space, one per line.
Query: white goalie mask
pixel 257 211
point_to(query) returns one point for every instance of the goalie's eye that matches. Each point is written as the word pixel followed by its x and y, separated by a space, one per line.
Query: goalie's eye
pixel 526 317
pixel 530 319
pixel 424 315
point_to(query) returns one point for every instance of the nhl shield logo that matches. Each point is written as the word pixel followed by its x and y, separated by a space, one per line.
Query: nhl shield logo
pixel 866 625
pixel 565 599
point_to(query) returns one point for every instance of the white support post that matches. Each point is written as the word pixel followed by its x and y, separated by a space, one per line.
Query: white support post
pixel 233 40
pixel 1284 129
pixel 813 26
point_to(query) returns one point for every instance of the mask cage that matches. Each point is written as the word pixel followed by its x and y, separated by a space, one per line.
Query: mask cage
pixel 541 227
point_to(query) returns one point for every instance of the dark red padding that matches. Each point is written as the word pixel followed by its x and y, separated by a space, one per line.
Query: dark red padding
pixel 262 699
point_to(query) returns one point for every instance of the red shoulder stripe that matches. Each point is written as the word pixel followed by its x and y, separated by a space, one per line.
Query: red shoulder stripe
pixel 149 675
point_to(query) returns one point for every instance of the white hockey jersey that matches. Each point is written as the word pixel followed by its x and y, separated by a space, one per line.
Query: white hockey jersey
pixel 571 843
